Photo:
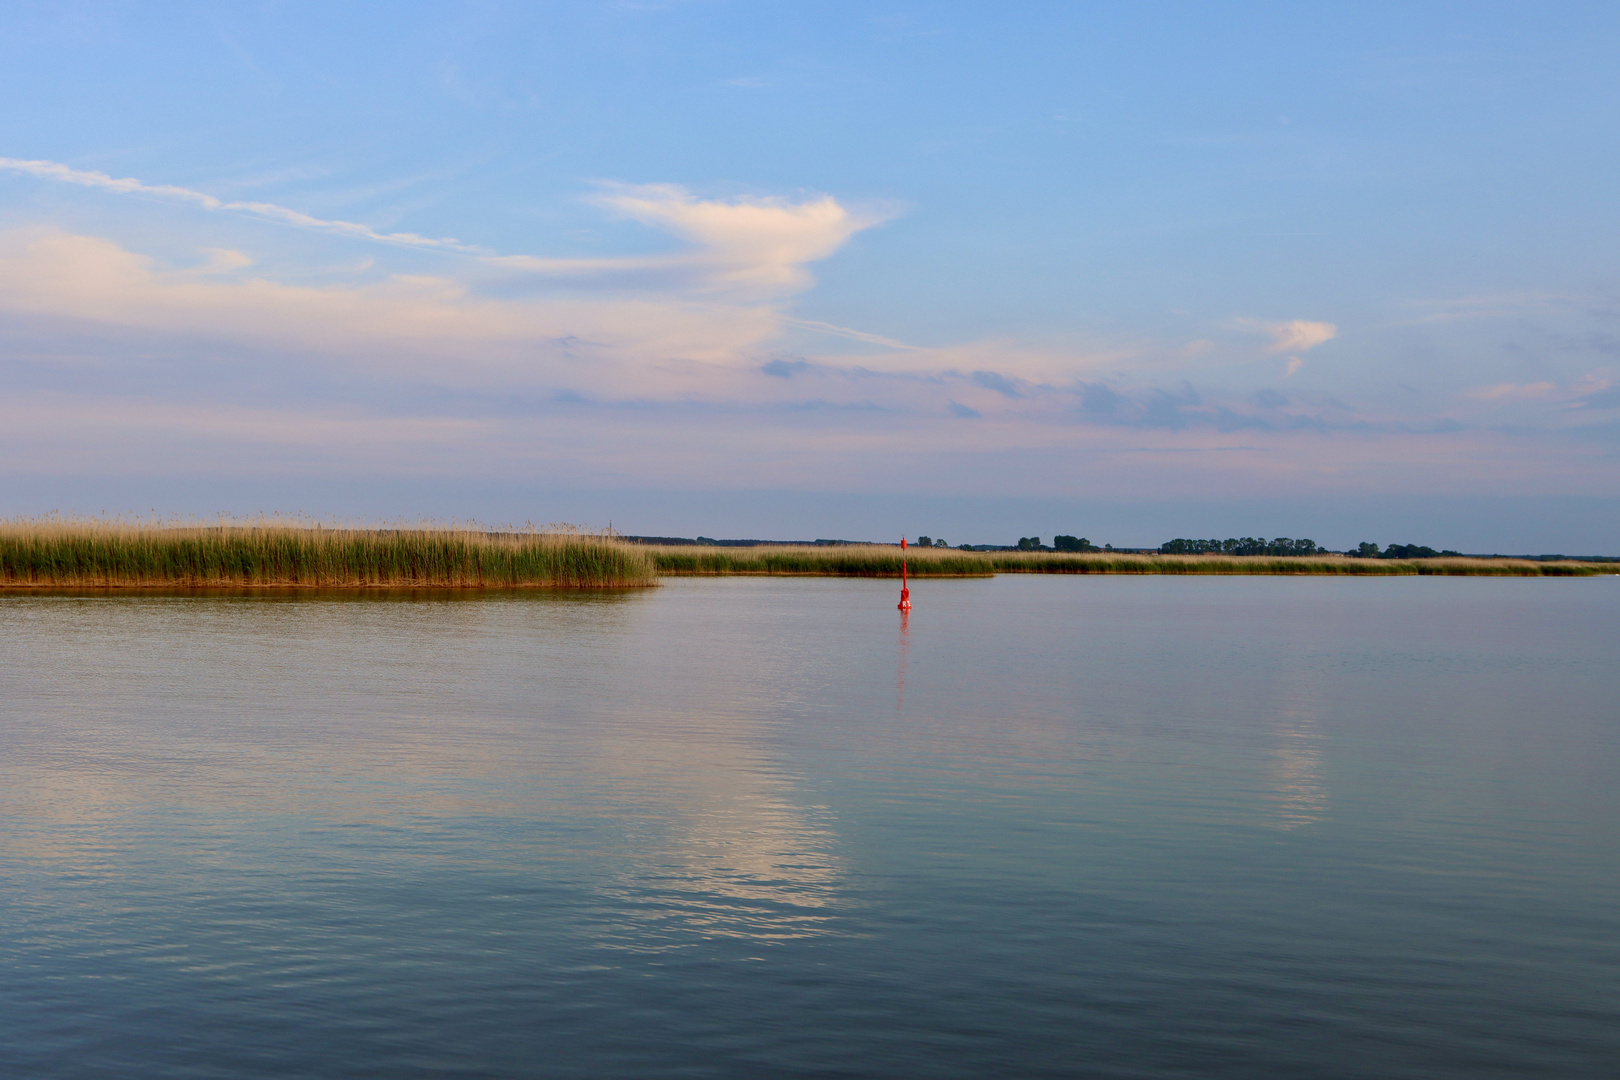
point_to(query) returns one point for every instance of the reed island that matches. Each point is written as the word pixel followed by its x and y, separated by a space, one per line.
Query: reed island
pixel 54 553
pixel 98 554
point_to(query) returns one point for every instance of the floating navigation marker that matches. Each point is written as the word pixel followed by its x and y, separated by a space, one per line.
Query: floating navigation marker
pixel 905 593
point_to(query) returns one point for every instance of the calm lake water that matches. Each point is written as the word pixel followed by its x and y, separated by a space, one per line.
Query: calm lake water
pixel 1111 827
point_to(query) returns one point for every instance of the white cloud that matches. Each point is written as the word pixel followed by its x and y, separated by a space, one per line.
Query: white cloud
pixel 420 327
pixel 753 246
pixel 418 331
pixel 1297 336
pixel 650 344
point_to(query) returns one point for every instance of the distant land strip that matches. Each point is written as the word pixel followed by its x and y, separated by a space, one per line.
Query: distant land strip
pixel 98 554
pixel 883 560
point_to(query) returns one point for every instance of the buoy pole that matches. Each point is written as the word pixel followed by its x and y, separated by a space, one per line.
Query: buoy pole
pixel 905 593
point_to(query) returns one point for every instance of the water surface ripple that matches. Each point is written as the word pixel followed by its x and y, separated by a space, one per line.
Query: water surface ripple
pixel 1104 827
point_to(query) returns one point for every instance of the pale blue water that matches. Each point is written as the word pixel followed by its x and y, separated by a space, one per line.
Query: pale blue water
pixel 1110 827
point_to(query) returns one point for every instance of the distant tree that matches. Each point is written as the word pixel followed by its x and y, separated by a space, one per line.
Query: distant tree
pixel 1029 543
pixel 1248 545
pixel 1409 551
pixel 941 543
pixel 923 541
pixel 1365 550
pixel 1072 543
pixel 1195 547
pixel 1191 547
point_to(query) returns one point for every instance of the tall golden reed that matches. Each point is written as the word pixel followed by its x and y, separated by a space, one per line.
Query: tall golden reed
pixel 56 552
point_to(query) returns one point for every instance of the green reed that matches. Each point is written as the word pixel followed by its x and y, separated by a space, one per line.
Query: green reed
pixel 118 555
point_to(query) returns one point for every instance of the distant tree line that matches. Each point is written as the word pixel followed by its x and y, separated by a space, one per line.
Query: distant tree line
pixel 1365 550
pixel 1248 545
pixel 1282 545
pixel 1025 543
pixel 1059 543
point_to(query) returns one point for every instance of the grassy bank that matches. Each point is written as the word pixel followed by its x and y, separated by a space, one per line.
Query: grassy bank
pixel 860 561
pixel 851 561
pixel 57 554
pixel 99 554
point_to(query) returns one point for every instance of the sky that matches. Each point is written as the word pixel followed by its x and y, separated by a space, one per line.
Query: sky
pixel 1128 271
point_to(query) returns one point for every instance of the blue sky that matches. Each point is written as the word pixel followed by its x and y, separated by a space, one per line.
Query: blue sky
pixel 1130 271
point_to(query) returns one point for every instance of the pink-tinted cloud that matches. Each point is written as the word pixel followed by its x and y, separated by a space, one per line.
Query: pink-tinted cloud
pixel 691 368
pixel 1519 391
pixel 754 247
pixel 1294 336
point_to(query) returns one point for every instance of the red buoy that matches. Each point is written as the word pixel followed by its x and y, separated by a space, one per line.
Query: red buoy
pixel 905 593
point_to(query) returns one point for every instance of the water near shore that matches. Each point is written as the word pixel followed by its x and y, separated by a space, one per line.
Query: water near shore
pixel 748 827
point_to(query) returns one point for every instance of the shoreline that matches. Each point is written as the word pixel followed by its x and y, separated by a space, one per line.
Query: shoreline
pixel 38 557
pixel 875 561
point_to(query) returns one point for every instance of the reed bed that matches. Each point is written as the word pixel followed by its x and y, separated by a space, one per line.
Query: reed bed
pixel 58 553
pixel 100 554
pixel 884 561
pixel 843 561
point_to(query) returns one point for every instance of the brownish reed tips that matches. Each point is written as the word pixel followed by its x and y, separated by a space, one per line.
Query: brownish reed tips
pixel 275 553
pixel 76 553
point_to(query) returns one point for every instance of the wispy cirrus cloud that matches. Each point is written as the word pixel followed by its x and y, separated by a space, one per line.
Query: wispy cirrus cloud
pixel 1492 306
pixel 1593 390
pixel 755 245
pixel 630 367
pixel 1520 391
pixel 65 174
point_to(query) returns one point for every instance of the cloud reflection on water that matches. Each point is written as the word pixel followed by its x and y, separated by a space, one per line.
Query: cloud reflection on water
pixel 414 739
pixel 1294 770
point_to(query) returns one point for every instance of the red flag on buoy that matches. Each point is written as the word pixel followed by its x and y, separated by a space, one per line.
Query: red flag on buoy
pixel 905 593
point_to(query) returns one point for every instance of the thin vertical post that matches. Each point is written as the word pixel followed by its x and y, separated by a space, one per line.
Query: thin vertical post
pixel 905 592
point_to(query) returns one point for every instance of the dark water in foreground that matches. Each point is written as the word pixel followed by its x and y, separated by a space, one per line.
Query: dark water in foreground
pixel 1147 827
